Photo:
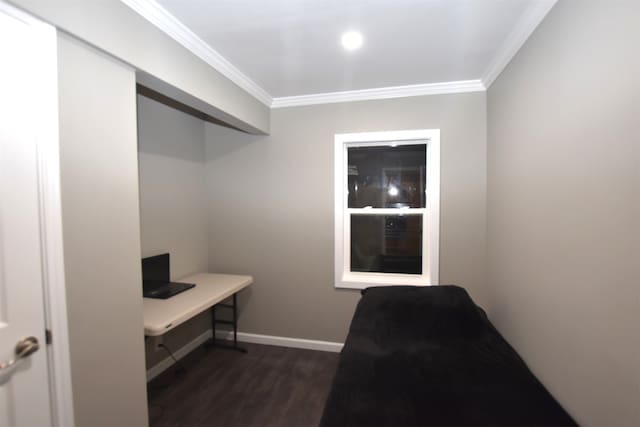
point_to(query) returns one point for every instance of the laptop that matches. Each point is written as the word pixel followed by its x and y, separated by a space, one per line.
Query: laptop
pixel 155 278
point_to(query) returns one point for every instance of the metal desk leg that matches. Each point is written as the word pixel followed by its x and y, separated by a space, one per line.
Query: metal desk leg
pixel 234 322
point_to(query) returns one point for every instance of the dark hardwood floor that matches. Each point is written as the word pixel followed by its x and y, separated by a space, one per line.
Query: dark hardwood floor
pixel 268 386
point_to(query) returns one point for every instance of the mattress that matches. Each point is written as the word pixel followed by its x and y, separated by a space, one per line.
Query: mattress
pixel 428 356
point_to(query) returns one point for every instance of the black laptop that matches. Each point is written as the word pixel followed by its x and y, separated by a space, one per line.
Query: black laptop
pixel 155 278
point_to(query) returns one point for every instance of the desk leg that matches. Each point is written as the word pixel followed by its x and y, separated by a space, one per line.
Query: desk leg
pixel 234 322
pixel 213 323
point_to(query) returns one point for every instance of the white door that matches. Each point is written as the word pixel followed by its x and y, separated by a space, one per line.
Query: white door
pixel 25 393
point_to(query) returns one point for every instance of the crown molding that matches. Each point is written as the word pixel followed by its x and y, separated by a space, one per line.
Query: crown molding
pixel 166 22
pixel 169 24
pixel 380 93
pixel 521 32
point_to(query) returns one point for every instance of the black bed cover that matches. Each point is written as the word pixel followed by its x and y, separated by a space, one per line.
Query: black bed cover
pixel 428 356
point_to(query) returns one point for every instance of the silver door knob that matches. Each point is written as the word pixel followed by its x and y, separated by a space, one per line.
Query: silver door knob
pixel 24 348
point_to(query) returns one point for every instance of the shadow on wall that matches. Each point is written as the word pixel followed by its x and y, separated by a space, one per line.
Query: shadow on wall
pixel 222 141
pixel 167 132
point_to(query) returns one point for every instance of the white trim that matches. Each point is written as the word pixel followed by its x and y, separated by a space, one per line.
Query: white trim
pixel 368 280
pixel 385 137
pixel 163 365
pixel 334 347
pixel 380 93
pixel 174 28
pixel 50 206
pixel 344 278
pixel 170 25
pixel 433 207
pixel 523 29
pixel 387 211
pixel 51 235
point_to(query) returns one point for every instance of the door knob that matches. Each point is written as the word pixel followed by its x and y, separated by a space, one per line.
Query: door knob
pixel 24 348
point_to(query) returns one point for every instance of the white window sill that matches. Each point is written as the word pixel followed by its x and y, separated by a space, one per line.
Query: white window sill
pixel 367 280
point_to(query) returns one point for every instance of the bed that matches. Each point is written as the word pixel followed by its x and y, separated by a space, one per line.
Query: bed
pixel 428 356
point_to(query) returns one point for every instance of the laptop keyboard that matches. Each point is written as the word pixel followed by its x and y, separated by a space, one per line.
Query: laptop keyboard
pixel 167 290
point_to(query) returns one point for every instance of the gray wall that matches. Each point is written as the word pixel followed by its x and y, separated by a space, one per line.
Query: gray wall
pixel 564 206
pixel 173 207
pixel 168 67
pixel 271 207
pixel 100 218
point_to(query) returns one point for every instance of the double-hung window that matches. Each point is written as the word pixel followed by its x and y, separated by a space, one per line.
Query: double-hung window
pixel 387 208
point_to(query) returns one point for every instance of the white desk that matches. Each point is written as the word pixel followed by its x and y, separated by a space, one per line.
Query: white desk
pixel 162 315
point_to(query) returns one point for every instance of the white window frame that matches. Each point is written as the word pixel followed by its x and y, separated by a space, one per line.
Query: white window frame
pixel 344 278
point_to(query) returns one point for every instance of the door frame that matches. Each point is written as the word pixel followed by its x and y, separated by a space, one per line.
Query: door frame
pixel 45 113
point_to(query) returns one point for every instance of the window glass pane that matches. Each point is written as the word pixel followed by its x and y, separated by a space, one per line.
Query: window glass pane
pixel 386 243
pixel 387 177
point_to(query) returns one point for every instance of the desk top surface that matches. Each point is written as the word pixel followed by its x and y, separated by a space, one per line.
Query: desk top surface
pixel 162 315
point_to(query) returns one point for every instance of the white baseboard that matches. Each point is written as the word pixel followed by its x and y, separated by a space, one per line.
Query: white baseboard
pixel 161 366
pixel 334 347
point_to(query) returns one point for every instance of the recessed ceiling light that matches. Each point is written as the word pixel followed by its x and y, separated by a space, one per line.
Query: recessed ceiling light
pixel 351 40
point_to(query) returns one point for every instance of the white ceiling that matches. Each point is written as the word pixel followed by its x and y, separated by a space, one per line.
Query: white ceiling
pixel 292 47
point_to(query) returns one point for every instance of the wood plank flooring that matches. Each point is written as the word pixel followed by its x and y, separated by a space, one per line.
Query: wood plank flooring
pixel 268 386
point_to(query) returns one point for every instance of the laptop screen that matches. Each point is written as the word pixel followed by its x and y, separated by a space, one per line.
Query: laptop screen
pixel 156 268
